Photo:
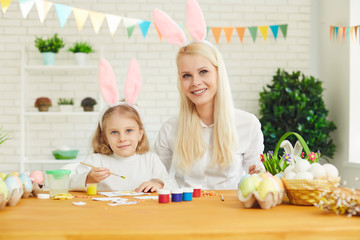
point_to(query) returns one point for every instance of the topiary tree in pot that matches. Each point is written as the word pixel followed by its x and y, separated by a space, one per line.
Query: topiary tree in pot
pixel 293 103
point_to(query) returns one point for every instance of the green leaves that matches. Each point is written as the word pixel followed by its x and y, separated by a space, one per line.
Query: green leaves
pixel 83 47
pixel 293 103
pixel 51 44
pixel 4 135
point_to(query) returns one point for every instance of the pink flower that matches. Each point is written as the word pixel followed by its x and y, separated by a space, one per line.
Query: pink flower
pixel 262 157
pixel 312 156
pixel 302 154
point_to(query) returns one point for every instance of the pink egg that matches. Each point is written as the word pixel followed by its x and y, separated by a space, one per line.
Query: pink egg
pixel 37 177
pixel 264 175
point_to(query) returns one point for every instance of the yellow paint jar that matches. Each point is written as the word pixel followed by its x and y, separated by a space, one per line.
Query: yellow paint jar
pixel 91 188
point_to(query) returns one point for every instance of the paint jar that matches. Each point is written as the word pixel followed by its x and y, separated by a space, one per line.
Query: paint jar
pixel 187 194
pixel 164 195
pixel 58 181
pixel 197 191
pixel 176 195
pixel 91 188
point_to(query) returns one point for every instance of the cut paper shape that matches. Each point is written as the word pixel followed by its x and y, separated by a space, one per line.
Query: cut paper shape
pixel 241 31
pixel 351 34
pixel 263 31
pixel 144 27
pixel 113 22
pixel 5 5
pixel 228 33
pixel 343 33
pixel 122 193
pixel 43 8
pixel 80 17
pixel 63 13
pixel 207 31
pixel 130 24
pixel 331 32
pixel 216 33
pixel 97 19
pixel 158 32
pixel 253 32
pixel 26 6
pixel 355 29
pixel 133 82
pixel 283 29
pixel 347 34
pixel 79 203
pixel 274 30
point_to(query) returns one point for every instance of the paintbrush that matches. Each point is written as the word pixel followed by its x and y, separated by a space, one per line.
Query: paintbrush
pixel 110 172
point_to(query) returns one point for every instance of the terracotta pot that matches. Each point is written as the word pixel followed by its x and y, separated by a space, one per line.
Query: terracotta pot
pixel 43 108
pixel 88 108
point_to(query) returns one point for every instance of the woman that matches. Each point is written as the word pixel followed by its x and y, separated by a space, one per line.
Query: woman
pixel 210 143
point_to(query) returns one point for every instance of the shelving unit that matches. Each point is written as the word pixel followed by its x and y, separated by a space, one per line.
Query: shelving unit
pixel 56 73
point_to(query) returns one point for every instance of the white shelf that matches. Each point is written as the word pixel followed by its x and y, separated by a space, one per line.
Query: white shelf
pixel 60 68
pixel 53 161
pixel 95 113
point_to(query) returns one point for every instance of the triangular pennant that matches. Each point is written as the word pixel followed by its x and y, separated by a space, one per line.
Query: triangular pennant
pixel 158 32
pixel 352 33
pixel 216 33
pixel 5 5
pixel 274 30
pixel 80 17
pixel 336 32
pixel 253 32
pixel 240 31
pixel 25 6
pixel 263 30
pixel 343 33
pixel 347 36
pixel 283 29
pixel 113 22
pixel 207 31
pixel 43 8
pixel 355 29
pixel 228 33
pixel 331 32
pixel 144 27
pixel 97 19
pixel 130 24
pixel 63 13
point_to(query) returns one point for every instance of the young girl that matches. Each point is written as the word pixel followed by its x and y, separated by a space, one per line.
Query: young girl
pixel 120 146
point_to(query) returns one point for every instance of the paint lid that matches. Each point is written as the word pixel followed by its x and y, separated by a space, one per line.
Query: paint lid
pixel 177 191
pixel 163 191
pixel 43 196
pixel 58 171
pixel 197 187
pixel 187 190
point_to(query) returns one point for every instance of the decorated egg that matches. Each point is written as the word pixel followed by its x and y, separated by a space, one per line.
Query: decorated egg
pixel 301 165
pixel 267 185
pixel 290 175
pixel 2 176
pixel 304 175
pixel 12 184
pixel 279 182
pixel 247 186
pixel 279 175
pixel 26 181
pixel 3 189
pixel 257 179
pixel 289 169
pixel 37 177
pixel 317 170
pixel 331 170
pixel 264 175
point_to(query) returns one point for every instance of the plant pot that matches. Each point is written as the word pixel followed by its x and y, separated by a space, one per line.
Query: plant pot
pixel 66 108
pixel 80 58
pixel 43 108
pixel 48 58
pixel 89 108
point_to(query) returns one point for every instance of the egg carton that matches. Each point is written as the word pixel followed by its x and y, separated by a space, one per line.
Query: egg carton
pixel 253 199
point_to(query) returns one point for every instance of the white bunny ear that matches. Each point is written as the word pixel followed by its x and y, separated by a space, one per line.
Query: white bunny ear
pixel 107 82
pixel 168 28
pixel 133 82
pixel 195 21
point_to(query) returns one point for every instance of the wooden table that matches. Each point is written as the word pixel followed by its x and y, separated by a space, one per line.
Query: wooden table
pixel 202 218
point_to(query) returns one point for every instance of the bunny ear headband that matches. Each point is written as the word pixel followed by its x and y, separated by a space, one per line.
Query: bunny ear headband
pixel 109 90
pixel 173 34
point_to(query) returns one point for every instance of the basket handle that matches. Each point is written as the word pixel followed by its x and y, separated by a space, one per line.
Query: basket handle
pixel 301 140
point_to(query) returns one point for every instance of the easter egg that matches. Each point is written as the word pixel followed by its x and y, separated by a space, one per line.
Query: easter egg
pixel 37 177
pixel 279 182
pixel 12 184
pixel 279 175
pixel 257 179
pixel 4 189
pixel 264 175
pixel 2 176
pixel 26 181
pixel 317 170
pixel 247 186
pixel 331 170
pixel 267 185
pixel 290 175
pixel 301 165
pixel 304 175
pixel 289 169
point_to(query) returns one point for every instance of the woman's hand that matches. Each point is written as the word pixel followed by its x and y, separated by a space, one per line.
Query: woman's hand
pixel 252 169
pixel 152 186
pixel 97 175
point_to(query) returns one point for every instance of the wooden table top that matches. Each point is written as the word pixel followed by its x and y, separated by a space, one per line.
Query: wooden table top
pixel 202 218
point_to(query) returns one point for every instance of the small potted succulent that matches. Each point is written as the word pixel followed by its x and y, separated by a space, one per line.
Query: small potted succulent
pixel 88 104
pixel 43 104
pixel 49 47
pixel 66 104
pixel 81 50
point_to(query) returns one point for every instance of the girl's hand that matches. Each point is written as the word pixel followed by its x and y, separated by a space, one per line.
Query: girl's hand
pixel 151 186
pixel 252 169
pixel 97 175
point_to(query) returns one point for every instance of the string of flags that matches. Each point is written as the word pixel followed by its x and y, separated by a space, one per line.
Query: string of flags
pixel 344 34
pixel 113 21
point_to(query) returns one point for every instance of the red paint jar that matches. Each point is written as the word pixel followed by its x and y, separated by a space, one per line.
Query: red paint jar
pixel 197 191
pixel 164 195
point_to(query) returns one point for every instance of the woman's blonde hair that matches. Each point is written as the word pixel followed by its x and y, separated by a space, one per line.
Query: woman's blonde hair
pixel 189 144
pixel 99 143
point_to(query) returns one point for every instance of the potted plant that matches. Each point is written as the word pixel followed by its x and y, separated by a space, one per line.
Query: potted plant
pixel 49 47
pixel 81 50
pixel 88 104
pixel 294 104
pixel 43 104
pixel 66 104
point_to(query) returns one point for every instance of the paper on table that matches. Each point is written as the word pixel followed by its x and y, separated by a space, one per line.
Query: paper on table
pixel 147 197
pixel 122 193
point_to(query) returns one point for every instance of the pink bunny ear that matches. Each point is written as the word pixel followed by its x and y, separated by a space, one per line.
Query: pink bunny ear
pixel 168 28
pixel 107 82
pixel 195 21
pixel 133 82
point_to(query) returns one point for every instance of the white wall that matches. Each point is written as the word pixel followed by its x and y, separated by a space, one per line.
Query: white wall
pixel 250 65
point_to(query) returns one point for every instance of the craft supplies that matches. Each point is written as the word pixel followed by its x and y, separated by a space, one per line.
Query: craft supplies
pixel 86 164
pixel 58 180
pixel 91 188
pixel 79 203
pixel 164 195
pixel 222 197
pixel 176 195
pixel 197 191
pixel 62 196
pixel 43 196
pixel 187 194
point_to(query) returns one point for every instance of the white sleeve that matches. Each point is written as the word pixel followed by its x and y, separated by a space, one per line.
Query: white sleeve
pixel 78 178
pixel 162 145
pixel 159 172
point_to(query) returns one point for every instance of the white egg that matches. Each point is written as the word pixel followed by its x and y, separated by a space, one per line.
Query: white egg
pixel 290 175
pixel 317 170
pixel 331 170
pixel 289 169
pixel 304 175
pixel 302 165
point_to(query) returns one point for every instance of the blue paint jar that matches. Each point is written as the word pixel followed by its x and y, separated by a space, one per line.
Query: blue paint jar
pixel 187 194
pixel 176 195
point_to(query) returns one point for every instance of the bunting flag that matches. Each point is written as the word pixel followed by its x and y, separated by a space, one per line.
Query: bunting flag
pixel 97 18
pixel 348 35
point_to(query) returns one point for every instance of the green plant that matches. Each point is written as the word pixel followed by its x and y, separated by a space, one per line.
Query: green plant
pixel 88 102
pixel 83 47
pixel 42 101
pixel 65 101
pixel 51 44
pixel 4 135
pixel 292 104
